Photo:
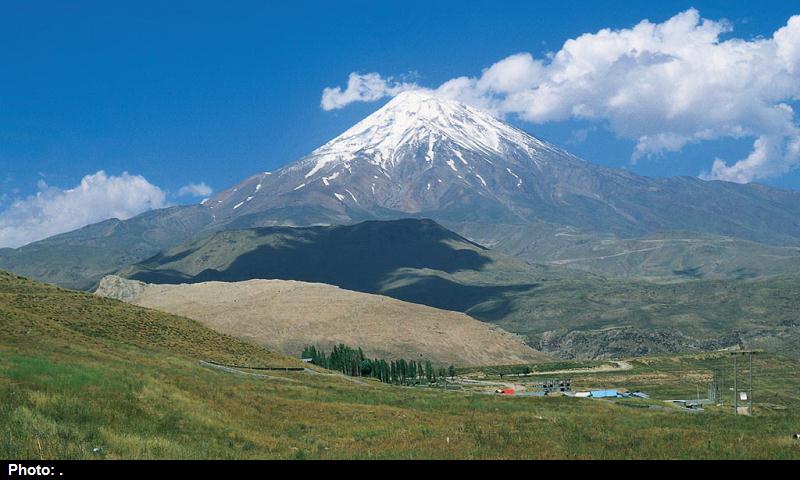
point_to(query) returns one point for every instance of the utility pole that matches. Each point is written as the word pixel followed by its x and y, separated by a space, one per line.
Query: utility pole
pixel 750 384
pixel 735 393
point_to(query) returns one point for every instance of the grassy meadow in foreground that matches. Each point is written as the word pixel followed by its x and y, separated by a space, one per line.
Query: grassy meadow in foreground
pixel 79 373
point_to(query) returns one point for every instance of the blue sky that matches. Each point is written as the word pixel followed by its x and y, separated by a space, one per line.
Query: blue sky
pixel 189 92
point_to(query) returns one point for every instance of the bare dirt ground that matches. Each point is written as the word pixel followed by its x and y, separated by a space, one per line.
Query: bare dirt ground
pixel 517 387
pixel 288 315
pixel 611 366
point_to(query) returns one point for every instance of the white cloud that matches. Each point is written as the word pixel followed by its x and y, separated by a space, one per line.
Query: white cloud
pixel 772 155
pixel 663 85
pixel 195 190
pixel 98 197
pixel 362 88
pixel 787 40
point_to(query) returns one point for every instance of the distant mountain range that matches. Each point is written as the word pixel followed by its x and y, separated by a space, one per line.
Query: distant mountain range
pixel 425 157
pixel 79 259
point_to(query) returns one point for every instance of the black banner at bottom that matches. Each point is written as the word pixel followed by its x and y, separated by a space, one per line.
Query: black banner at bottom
pixel 233 469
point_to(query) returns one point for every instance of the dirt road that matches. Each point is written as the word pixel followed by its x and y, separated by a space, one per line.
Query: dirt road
pixel 618 366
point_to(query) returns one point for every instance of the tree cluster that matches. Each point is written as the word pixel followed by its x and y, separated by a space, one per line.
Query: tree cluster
pixel 352 361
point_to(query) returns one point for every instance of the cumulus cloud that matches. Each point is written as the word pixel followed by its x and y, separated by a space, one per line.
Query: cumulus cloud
pixel 195 190
pixel 98 197
pixel 366 87
pixel 663 85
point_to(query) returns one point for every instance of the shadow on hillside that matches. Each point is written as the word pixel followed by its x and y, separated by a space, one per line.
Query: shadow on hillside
pixel 163 258
pixel 449 295
pixel 358 257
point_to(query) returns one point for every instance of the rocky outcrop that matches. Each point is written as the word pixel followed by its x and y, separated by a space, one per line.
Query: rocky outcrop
pixel 112 286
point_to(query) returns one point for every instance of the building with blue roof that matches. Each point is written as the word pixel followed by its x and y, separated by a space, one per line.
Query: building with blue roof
pixel 603 394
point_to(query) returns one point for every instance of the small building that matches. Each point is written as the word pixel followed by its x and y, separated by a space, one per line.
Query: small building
pixel 603 394
pixel 556 385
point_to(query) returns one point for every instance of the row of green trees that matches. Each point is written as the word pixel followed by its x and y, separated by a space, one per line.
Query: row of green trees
pixel 353 362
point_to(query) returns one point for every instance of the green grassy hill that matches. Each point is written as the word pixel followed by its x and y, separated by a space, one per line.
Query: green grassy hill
pixel 79 373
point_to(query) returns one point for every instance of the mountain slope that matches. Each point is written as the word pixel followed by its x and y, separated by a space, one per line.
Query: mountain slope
pixel 426 157
pixel 372 257
pixel 430 157
pixel 79 259
pixel 563 312
pixel 287 316
pixel 32 312
pixel 661 257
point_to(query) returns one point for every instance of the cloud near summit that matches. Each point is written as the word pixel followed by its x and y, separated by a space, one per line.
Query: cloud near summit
pixel 366 87
pixel 195 190
pixel 663 85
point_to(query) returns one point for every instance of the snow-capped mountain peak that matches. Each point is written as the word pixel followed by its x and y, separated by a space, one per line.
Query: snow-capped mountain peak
pixel 424 156
pixel 418 153
pixel 417 119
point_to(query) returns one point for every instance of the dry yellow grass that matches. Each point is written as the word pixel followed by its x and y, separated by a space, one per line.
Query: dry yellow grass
pixel 288 315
